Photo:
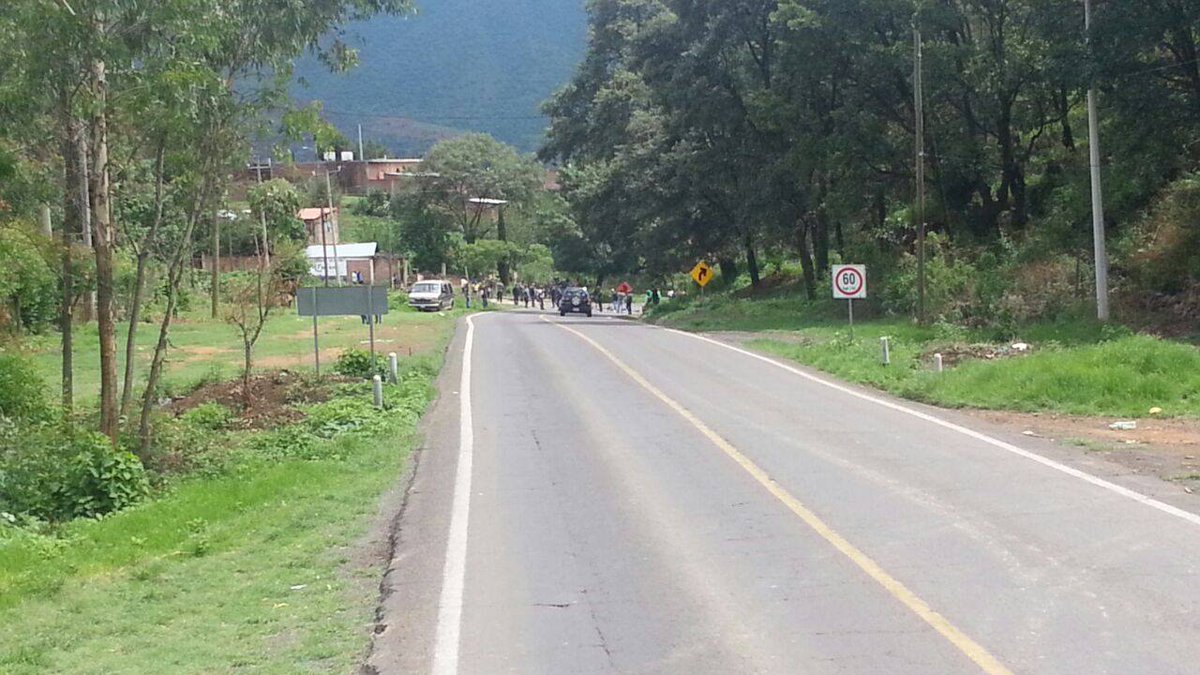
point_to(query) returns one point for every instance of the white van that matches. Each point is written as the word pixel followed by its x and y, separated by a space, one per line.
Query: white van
pixel 432 295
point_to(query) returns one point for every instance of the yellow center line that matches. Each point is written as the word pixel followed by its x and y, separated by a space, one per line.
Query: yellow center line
pixel 969 647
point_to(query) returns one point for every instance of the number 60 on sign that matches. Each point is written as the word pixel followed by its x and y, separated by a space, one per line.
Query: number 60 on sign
pixel 850 282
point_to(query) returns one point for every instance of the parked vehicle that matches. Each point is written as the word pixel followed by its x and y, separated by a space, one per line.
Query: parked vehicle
pixel 575 300
pixel 433 296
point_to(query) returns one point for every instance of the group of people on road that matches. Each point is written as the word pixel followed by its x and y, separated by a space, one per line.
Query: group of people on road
pixel 535 296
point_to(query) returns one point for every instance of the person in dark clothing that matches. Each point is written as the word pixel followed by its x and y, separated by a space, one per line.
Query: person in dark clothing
pixel 483 295
pixel 656 297
pixel 629 304
pixel 516 295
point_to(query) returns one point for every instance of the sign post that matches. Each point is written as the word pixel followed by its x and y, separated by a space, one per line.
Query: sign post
pixel 366 302
pixel 850 284
pixel 702 275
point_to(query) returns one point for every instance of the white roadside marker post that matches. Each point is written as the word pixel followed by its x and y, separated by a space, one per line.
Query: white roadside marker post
pixel 394 367
pixel 377 387
pixel 886 346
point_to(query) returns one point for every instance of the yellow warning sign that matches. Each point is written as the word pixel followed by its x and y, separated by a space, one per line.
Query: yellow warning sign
pixel 702 273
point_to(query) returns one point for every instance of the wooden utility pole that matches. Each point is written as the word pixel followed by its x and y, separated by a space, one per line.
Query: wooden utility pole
pixel 919 108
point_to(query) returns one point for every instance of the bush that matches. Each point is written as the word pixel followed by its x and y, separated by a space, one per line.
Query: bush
pixel 56 476
pixel 22 391
pixel 343 415
pixel 358 363
pixel 1167 259
pixel 291 442
pixel 209 416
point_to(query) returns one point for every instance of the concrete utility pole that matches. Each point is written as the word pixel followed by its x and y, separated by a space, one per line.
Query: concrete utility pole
pixel 362 156
pixel 44 217
pixel 919 110
pixel 1098 235
pixel 263 217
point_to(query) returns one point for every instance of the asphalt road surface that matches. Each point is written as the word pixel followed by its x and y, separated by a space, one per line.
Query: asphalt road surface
pixel 600 496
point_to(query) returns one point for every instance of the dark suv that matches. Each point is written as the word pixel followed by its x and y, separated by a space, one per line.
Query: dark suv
pixel 575 300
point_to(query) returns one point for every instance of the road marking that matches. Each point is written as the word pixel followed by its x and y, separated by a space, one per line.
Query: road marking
pixel 995 442
pixel 969 647
pixel 450 604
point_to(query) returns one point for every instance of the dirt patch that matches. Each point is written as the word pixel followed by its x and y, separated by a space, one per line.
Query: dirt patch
pixel 272 399
pixel 743 338
pixel 1167 448
pixel 953 355
pixel 194 353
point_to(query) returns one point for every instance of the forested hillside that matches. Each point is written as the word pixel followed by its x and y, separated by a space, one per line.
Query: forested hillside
pixel 455 64
pixel 761 131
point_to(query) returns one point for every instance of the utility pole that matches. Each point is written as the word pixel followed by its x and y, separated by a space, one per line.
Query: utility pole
pixel 263 218
pixel 919 109
pixel 337 265
pixel 215 289
pixel 362 156
pixel 1098 235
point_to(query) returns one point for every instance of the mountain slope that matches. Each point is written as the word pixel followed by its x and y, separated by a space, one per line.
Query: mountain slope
pixel 479 65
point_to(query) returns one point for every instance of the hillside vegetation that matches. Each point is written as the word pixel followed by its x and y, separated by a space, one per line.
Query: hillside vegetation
pixel 752 133
pixel 454 65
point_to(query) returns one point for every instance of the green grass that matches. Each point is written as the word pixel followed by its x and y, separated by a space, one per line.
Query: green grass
pixel 210 350
pixel 1077 366
pixel 253 569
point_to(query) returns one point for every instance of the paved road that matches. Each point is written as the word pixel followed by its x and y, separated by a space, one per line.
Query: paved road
pixel 642 501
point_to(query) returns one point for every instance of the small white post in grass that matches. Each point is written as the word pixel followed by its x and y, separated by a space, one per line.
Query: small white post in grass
pixel 937 362
pixel 377 383
pixel 887 351
pixel 394 367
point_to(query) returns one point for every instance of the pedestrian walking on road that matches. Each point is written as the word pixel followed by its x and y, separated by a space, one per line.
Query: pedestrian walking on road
pixel 629 304
pixel 516 295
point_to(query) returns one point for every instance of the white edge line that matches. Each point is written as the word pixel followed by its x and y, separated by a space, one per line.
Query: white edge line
pixel 450 604
pixel 995 442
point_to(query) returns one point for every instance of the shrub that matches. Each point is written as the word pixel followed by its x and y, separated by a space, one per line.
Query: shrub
pixel 22 391
pixel 47 473
pixel 343 415
pixel 1167 259
pixel 358 363
pixel 209 416
pixel 291 442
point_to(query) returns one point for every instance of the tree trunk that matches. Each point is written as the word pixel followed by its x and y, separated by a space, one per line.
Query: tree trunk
pixel 821 240
pixel 175 274
pixel 729 270
pixel 74 205
pixel 247 365
pixel 102 244
pixel 752 261
pixel 806 260
pixel 503 268
pixel 215 282
pixel 139 285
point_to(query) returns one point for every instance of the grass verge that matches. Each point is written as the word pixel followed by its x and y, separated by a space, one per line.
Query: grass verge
pixel 1075 366
pixel 250 570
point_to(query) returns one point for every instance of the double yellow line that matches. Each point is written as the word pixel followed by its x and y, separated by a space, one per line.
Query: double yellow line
pixel 969 647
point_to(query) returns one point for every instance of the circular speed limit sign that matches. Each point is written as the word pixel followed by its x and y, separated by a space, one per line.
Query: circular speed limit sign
pixel 850 282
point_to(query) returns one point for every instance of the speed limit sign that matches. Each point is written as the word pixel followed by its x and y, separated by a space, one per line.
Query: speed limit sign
pixel 850 282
